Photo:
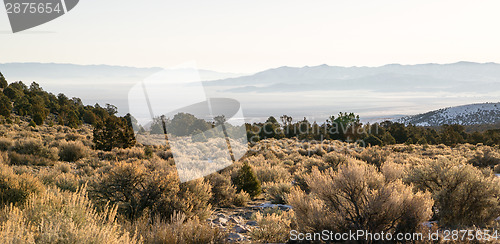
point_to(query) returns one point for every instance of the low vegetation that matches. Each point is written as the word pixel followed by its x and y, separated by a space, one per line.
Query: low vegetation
pixel 64 181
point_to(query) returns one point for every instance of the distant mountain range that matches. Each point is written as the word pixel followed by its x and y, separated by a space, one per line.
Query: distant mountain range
pixel 472 114
pixel 456 77
pixel 388 91
pixel 92 83
pixel 316 92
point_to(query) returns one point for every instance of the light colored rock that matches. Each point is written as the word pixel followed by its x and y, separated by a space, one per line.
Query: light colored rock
pixel 240 229
pixel 222 220
pixel 279 206
pixel 235 237
pixel 236 220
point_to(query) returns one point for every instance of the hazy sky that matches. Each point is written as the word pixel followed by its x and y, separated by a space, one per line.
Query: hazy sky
pixel 249 36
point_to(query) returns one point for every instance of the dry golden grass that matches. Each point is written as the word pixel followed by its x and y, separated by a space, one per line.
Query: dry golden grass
pixel 178 230
pixel 61 217
pixel 324 182
pixel 272 228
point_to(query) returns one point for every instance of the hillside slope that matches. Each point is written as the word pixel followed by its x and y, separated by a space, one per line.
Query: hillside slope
pixel 472 114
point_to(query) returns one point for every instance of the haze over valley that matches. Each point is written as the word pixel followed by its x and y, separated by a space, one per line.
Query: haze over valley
pixel 316 92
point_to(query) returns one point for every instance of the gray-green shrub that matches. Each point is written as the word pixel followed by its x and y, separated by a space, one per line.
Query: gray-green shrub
pixel 72 151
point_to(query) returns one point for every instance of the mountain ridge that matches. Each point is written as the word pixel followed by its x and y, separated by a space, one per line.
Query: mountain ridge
pixel 470 114
pixel 386 78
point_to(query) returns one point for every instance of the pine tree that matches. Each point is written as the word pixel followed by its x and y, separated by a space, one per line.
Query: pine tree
pixel 114 132
pixel 373 141
pixel 3 81
pixel 247 181
pixel 5 106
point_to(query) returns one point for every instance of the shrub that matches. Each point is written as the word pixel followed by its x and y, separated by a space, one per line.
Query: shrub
pixel 178 230
pixel 72 137
pixel 485 158
pixel 497 169
pixel 277 191
pixel 72 151
pixel 463 195
pixel 312 213
pixel 223 192
pixel 4 158
pixel 272 228
pixel 148 151
pixel 311 163
pixel 38 118
pixel 393 171
pixel 63 167
pixel 122 185
pixel 17 188
pixel 67 182
pixel 358 197
pixel 128 153
pixel 29 146
pixel 135 188
pixel 21 159
pixel 193 200
pixel 247 181
pixel 58 217
pixel 34 147
pixel 165 154
pixel 241 199
pixel 272 174
pixel 333 159
pixel 5 144
pixel 374 155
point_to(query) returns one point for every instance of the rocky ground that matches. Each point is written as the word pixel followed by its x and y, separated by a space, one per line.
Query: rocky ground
pixel 239 221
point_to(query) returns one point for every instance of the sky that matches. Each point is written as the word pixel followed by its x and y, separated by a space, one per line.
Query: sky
pixel 251 36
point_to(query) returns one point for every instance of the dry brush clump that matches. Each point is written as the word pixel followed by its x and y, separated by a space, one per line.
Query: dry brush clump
pixel 135 188
pixel 272 174
pixel 374 155
pixel 61 217
pixel 223 191
pixel 6 143
pixel 277 191
pixel 32 151
pixel 241 199
pixel 178 229
pixel 485 157
pixel 272 228
pixel 464 195
pixel 325 182
pixel 62 175
pixel 393 171
pixel 72 151
pixel 357 197
pixel 14 188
